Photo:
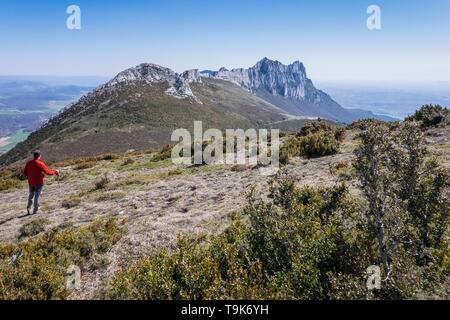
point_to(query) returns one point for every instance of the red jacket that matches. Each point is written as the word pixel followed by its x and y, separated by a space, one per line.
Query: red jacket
pixel 35 170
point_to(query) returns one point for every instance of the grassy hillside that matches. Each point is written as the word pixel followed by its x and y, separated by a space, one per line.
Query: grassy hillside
pixel 141 116
pixel 319 206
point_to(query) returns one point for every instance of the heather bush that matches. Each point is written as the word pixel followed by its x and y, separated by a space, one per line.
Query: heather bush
pixel 431 116
pixel 322 126
pixel 163 154
pixel 11 178
pixel 32 228
pixel 36 269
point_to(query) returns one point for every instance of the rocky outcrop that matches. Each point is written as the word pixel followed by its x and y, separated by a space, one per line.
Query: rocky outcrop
pixel 151 73
pixel 289 81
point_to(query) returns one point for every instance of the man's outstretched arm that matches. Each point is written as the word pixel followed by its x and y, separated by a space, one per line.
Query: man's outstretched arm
pixel 46 170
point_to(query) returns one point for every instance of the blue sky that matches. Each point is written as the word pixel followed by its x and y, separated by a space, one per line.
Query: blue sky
pixel 330 37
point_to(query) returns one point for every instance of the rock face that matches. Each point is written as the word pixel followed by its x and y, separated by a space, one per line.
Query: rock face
pixel 289 81
pixel 151 73
pixel 285 86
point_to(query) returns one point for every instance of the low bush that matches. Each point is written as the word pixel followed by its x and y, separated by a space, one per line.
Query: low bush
pixel 11 178
pixel 9 183
pixel 71 202
pixel 175 172
pixel 102 183
pixel 431 116
pixel 163 154
pixel 108 157
pixel 36 269
pixel 317 144
pixel 32 228
pixel 85 165
pixel 322 126
pixel 364 124
pixel 128 161
pixel 108 196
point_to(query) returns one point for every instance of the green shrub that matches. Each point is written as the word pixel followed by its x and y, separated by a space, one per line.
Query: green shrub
pixel 36 269
pixel 364 124
pixel 9 183
pixel 11 178
pixel 108 196
pixel 32 228
pixel 322 126
pixel 289 149
pixel 85 165
pixel 128 161
pixel 71 202
pixel 315 139
pixel 102 183
pixel 163 154
pixel 318 144
pixel 431 116
pixel 108 157
pixel 175 172
pixel 407 197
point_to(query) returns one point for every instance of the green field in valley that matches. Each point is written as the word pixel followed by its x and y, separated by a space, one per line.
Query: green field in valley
pixel 12 140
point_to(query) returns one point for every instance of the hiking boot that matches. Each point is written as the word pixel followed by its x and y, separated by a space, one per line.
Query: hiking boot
pixel 29 211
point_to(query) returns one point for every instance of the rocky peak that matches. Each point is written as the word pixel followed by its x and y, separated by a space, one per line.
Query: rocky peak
pixel 151 73
pixel 289 81
pixel 192 76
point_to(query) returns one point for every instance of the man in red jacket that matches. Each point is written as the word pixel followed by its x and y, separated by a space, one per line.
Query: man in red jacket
pixel 35 171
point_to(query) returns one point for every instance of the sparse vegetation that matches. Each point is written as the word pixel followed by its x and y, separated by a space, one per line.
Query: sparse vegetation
pixel 102 183
pixel 71 202
pixel 296 246
pixel 163 154
pixel 36 269
pixel 108 196
pixel 85 165
pixel 342 170
pixel 175 172
pixel 316 243
pixel 11 178
pixel 302 243
pixel 32 228
pixel 128 161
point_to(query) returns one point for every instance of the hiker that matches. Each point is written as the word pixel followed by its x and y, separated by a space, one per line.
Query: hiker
pixel 34 171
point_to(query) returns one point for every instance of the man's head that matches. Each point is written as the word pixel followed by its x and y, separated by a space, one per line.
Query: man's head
pixel 36 154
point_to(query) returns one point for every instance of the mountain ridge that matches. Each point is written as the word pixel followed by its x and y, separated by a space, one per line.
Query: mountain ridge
pixel 142 105
pixel 289 88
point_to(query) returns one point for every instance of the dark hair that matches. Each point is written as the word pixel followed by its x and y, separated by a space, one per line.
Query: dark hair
pixel 36 154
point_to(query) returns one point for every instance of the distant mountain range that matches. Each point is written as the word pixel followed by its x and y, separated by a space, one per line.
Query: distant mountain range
pixel 141 106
